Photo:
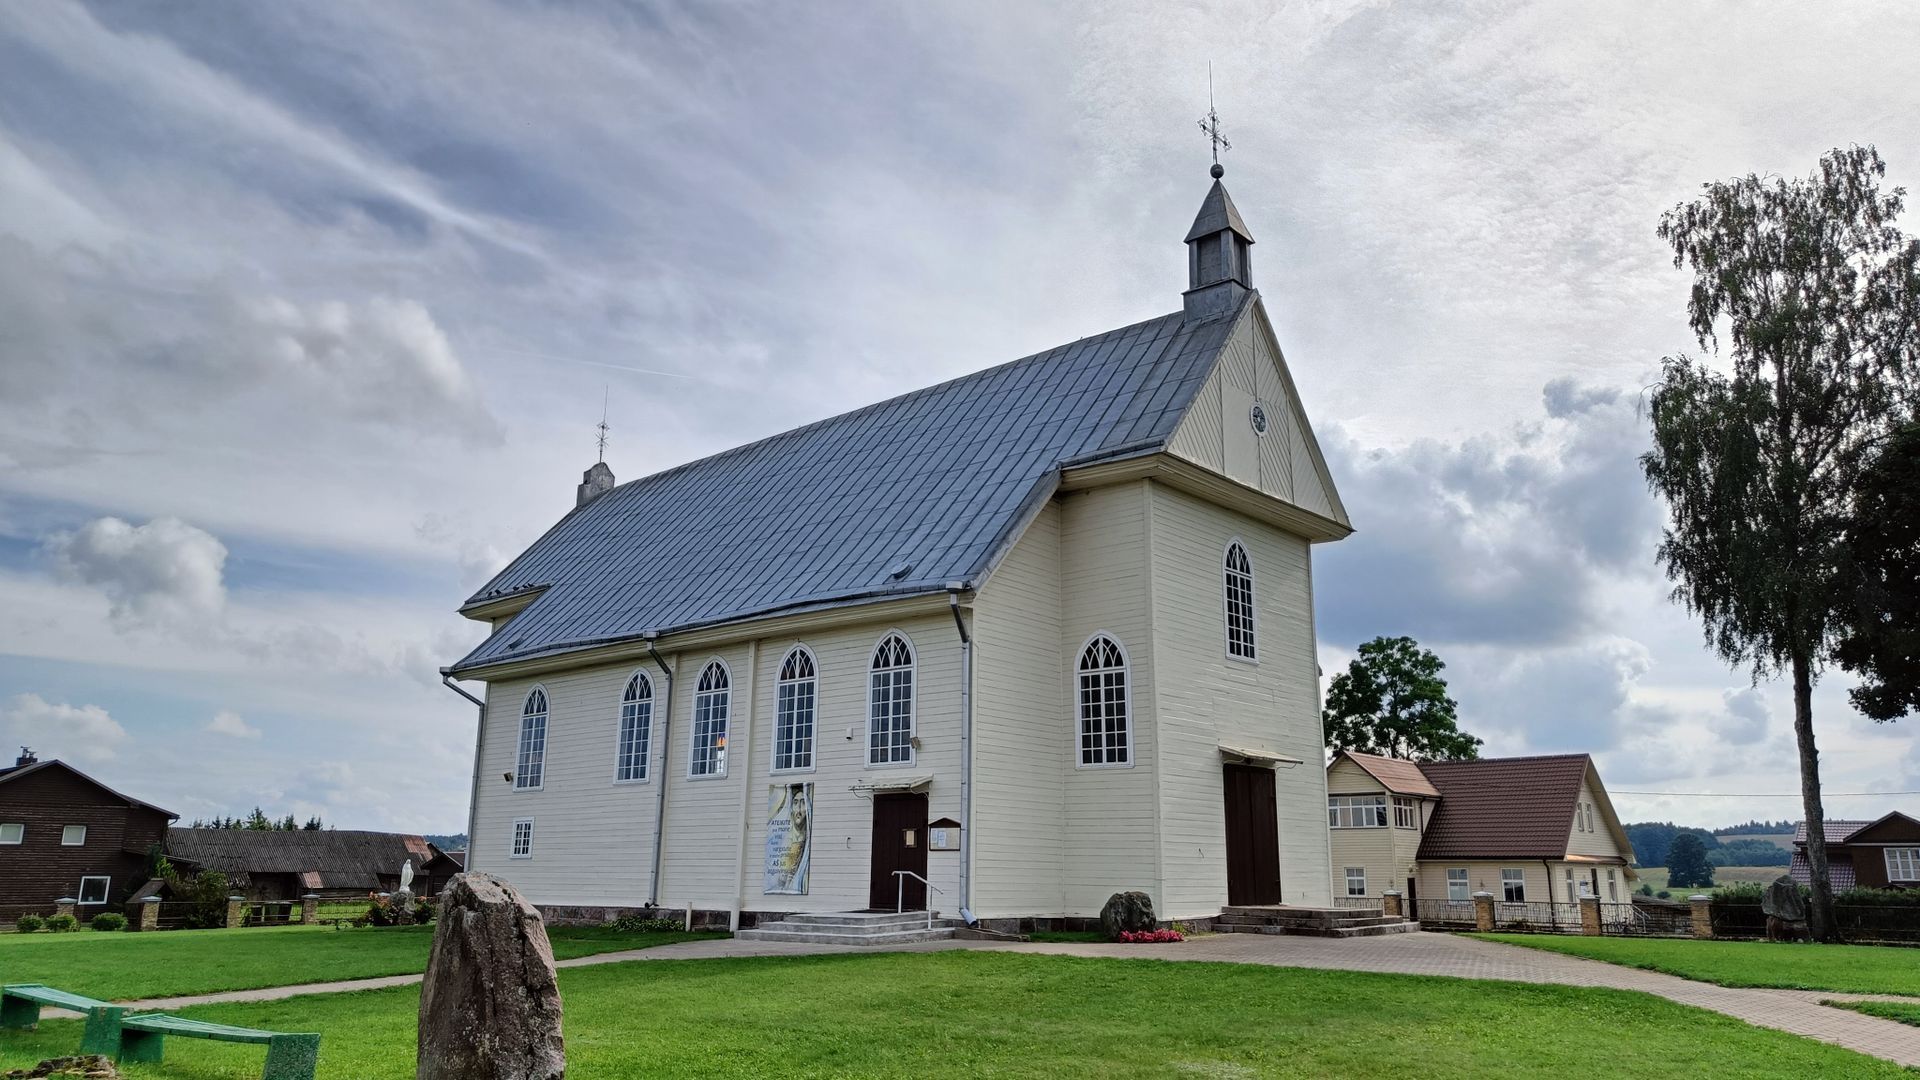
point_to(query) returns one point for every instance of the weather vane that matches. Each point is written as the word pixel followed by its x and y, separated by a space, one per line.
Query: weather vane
pixel 602 425
pixel 1211 126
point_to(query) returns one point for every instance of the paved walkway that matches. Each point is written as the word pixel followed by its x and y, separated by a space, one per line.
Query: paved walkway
pixel 1796 1011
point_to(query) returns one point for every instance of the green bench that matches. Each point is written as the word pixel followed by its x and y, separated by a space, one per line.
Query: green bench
pixel 20 1010
pixel 289 1056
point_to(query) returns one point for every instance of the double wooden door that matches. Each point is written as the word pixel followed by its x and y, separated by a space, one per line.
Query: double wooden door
pixel 1253 836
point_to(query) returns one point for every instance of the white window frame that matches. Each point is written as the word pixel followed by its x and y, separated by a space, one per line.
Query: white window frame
pixel 1513 879
pixel 641 723
pixel 523 751
pixel 1573 885
pixel 811 680
pixel 1343 811
pixel 1613 886
pixel 67 831
pixel 106 890
pixel 1412 812
pixel 1579 818
pixel 1356 875
pixel 1126 703
pixel 912 668
pixel 1590 827
pixel 514 848
pixel 719 735
pixel 1903 864
pixel 1227 574
pixel 1458 886
pixel 19 833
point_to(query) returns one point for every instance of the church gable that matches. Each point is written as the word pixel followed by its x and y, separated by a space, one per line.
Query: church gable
pixel 1220 430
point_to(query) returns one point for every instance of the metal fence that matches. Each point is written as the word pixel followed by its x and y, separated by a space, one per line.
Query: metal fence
pixel 1877 924
pixel 1536 917
pixel 10 914
pixel 1443 913
pixel 1731 920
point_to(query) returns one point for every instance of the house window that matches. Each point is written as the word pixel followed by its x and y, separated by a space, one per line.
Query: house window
pixel 1573 887
pixel 711 701
pixel 1589 817
pixel 1513 885
pixel 1106 735
pixel 1239 597
pixel 1903 864
pixel 531 772
pixel 794 707
pixel 73 835
pixel 1356 811
pixel 1613 887
pixel 93 890
pixel 522 839
pixel 13 833
pixel 890 703
pixel 1579 819
pixel 1406 814
pixel 1457 883
pixel 636 729
pixel 1356 881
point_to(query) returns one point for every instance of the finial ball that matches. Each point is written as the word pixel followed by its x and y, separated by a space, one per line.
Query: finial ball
pixel 1217 172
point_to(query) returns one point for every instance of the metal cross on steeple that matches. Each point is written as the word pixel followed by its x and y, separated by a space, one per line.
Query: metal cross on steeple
pixel 602 425
pixel 1211 126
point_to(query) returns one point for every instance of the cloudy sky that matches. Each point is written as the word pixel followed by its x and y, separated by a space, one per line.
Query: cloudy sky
pixel 307 312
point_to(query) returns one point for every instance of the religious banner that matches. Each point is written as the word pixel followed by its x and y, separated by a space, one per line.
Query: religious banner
pixel 789 838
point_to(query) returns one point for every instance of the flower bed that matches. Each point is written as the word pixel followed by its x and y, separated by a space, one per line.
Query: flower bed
pixel 1151 937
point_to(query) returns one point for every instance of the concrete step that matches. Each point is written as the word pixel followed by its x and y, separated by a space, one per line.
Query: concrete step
pixel 808 937
pixel 859 918
pixel 837 930
pixel 1376 930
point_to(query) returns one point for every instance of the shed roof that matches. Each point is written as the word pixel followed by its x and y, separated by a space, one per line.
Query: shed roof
pixel 325 858
pixel 1397 775
pixel 15 772
pixel 1519 807
pixel 899 498
pixel 1836 830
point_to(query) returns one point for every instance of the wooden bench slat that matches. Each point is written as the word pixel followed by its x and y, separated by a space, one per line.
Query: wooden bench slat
pixel 165 1024
pixel 47 995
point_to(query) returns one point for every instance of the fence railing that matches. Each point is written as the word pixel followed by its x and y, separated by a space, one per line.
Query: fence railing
pixel 1536 916
pixel 1440 913
pixel 1731 920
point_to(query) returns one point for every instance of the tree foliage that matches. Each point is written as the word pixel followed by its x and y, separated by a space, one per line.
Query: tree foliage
pixel 1687 864
pixel 1816 291
pixel 1880 642
pixel 258 821
pixel 1391 700
pixel 1652 840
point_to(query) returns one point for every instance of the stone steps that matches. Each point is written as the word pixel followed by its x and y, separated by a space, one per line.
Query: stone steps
pixel 1312 922
pixel 853 928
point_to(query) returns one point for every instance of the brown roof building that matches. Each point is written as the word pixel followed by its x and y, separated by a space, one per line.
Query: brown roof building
pixel 286 864
pixel 64 834
pixel 1883 853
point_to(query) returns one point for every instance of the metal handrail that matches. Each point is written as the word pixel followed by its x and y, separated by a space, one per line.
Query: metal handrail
pixel 900 893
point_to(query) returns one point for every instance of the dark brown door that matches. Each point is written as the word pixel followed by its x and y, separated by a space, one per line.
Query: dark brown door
pixel 1253 836
pixel 899 843
pixel 1413 895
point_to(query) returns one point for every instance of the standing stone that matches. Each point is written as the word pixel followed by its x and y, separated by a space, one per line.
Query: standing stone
pixel 1126 911
pixel 1786 910
pixel 490 1006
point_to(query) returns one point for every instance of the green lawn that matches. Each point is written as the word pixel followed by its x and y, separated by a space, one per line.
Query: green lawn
pixel 1854 969
pixel 1013 1015
pixel 126 967
pixel 1886 1010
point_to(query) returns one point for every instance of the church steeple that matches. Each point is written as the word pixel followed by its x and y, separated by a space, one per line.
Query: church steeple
pixel 1219 255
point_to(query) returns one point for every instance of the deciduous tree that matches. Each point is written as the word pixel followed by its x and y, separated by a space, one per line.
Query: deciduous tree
pixel 1881 639
pixel 1391 700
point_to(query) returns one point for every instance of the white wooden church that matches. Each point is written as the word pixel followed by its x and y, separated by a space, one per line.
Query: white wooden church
pixel 1003 646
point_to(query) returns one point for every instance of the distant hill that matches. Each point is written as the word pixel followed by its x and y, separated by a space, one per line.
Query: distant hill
pixel 1782 840
pixel 1651 839
pixel 449 841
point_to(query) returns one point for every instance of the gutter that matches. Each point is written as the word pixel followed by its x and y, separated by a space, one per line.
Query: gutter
pixel 473 791
pixel 660 794
pixel 966 753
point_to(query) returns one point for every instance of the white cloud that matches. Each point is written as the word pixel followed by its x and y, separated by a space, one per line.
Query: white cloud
pixel 233 725
pixel 165 570
pixel 83 733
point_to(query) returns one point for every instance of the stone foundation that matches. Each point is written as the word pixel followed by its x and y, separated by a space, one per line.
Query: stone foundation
pixel 703 918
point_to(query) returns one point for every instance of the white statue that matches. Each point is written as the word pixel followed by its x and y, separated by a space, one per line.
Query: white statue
pixel 406 877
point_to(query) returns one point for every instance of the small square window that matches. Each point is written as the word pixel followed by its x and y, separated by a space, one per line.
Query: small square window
pixel 73 836
pixel 93 890
pixel 1356 881
pixel 1513 884
pixel 523 839
pixel 1457 883
pixel 12 833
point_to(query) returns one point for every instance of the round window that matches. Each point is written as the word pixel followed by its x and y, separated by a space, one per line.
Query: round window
pixel 1259 418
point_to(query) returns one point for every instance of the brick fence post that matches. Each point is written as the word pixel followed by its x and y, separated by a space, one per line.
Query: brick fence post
pixel 1390 903
pixel 149 917
pixel 1702 915
pixel 1483 912
pixel 1590 916
pixel 236 911
pixel 309 909
pixel 65 906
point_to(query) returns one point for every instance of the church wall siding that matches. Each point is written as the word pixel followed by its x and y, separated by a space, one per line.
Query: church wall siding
pixel 1206 698
pixel 1021 725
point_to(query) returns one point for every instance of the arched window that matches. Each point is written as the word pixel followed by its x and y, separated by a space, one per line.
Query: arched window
pixel 890 703
pixel 531 769
pixel 1239 594
pixel 636 729
pixel 711 699
pixel 1106 728
pixel 794 708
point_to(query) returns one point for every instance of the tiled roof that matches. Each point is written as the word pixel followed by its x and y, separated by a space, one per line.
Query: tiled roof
pixel 327 858
pixel 1397 775
pixel 1836 830
pixel 895 499
pixel 15 772
pixel 1519 807
pixel 1839 871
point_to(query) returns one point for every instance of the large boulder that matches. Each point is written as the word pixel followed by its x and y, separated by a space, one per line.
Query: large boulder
pixel 1783 900
pixel 490 1006
pixel 1126 911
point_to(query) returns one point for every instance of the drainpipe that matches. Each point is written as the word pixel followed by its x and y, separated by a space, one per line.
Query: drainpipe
pixel 1553 913
pixel 966 753
pixel 473 791
pixel 746 782
pixel 664 770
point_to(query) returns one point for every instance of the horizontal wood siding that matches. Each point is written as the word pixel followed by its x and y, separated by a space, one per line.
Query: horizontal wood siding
pixel 1600 841
pixel 40 870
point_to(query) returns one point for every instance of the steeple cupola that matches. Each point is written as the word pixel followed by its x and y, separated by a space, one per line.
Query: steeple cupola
pixel 1219 255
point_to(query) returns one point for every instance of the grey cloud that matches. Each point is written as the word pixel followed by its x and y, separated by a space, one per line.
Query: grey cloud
pixel 79 732
pixel 163 571
pixel 1574 698
pixel 1746 718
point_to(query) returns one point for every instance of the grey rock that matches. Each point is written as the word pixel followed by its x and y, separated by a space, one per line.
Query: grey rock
pixel 490 1006
pixel 1126 911
pixel 1783 900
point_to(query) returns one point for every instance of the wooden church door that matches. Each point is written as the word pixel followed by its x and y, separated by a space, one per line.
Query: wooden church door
pixel 1253 836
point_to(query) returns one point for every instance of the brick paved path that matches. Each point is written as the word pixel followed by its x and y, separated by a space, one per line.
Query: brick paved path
pixel 1796 1011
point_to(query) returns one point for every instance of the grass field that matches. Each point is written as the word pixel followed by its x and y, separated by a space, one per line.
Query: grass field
pixel 1855 969
pixel 1008 1015
pixel 127 967
pixel 1886 1010
pixel 1656 876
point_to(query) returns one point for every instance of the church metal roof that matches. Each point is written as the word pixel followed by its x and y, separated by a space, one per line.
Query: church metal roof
pixel 895 499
